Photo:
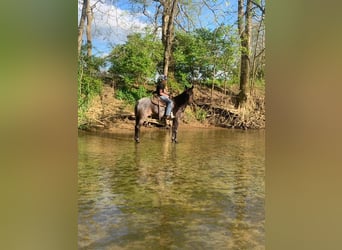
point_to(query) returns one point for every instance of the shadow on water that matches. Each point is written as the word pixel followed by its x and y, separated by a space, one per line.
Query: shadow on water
pixel 206 192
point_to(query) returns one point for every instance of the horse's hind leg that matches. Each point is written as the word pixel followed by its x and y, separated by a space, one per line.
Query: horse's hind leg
pixel 139 120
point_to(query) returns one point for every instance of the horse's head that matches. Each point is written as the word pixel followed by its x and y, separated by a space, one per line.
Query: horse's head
pixel 189 92
pixel 184 98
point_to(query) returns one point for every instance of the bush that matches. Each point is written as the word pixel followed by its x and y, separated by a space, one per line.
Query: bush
pixel 200 114
pixel 89 85
pixel 131 95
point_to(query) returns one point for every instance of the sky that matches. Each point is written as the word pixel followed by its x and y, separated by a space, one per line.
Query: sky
pixel 111 25
pixel 113 21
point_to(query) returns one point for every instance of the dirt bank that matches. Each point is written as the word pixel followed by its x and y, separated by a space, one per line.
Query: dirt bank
pixel 210 109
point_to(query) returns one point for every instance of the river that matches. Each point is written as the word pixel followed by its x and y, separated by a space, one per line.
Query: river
pixel 205 192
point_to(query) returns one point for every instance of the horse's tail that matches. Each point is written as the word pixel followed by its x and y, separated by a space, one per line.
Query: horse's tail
pixel 136 109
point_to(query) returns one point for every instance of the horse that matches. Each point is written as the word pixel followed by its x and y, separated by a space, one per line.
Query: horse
pixel 145 108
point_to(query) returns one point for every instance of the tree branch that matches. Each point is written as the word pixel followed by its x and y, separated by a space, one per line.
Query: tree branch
pixel 94 5
pixel 261 8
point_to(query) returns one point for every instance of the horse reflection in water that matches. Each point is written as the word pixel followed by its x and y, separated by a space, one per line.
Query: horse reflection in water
pixel 145 108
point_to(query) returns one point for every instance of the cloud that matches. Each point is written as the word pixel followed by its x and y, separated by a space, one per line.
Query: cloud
pixel 111 25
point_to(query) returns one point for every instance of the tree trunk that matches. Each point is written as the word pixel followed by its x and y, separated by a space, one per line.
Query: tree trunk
pixel 81 24
pixel 213 85
pixel 245 47
pixel 170 11
pixel 86 15
pixel 259 46
pixel 89 38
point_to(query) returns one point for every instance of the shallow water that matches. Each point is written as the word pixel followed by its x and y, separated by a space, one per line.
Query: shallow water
pixel 206 192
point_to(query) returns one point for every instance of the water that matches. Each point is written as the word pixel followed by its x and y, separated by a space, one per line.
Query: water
pixel 206 192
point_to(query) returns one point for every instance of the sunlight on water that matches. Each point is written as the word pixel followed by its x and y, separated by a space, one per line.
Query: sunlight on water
pixel 206 192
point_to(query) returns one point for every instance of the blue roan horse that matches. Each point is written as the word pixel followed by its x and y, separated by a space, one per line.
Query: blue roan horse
pixel 145 108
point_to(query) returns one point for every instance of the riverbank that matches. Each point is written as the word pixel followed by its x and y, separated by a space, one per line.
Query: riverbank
pixel 211 108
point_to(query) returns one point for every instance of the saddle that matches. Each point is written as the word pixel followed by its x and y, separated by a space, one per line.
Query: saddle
pixel 155 99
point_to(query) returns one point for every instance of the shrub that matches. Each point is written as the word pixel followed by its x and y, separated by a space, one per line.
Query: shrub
pixel 89 85
pixel 200 114
pixel 131 95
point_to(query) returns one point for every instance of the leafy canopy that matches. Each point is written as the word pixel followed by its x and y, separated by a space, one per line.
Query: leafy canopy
pixel 136 61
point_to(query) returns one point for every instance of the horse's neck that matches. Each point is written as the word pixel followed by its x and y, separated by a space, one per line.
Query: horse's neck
pixel 181 101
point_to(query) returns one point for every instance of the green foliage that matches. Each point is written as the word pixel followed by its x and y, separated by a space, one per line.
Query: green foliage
pixel 125 95
pixel 131 95
pixel 199 57
pixel 89 84
pixel 202 53
pixel 260 84
pixel 174 87
pixel 190 55
pixel 136 61
pixel 200 114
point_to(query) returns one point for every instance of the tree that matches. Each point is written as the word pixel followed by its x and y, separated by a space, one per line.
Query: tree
pixel 190 55
pixel 170 11
pixel 136 60
pixel 200 54
pixel 86 15
pixel 244 27
pixel 81 24
pixel 88 30
pixel 169 15
pixel 164 19
pixel 257 42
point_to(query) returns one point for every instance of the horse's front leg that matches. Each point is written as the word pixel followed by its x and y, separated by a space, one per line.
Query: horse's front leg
pixel 137 131
pixel 174 130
